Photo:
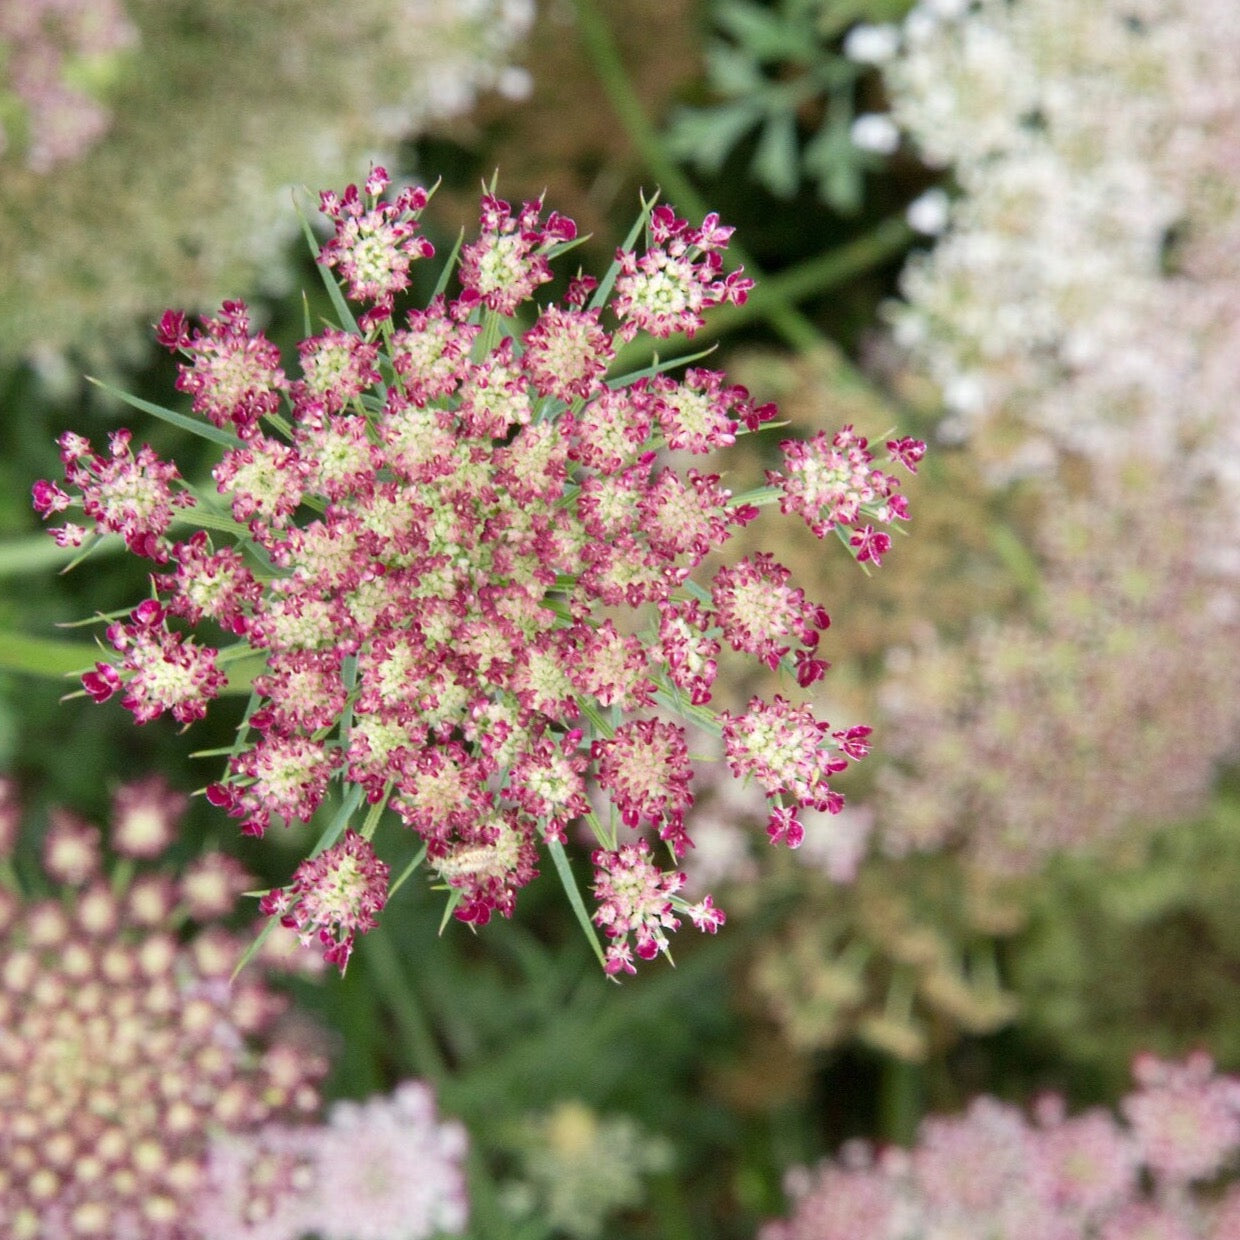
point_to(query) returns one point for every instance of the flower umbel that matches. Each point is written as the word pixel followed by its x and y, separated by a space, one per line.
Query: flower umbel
pixel 126 1050
pixel 992 1172
pixel 467 555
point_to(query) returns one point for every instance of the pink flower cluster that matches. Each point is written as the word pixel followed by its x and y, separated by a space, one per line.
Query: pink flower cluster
pixel 332 897
pixel 123 494
pixel 377 1170
pixel 991 1173
pixel 831 483
pixel 666 289
pixel 128 1049
pixel 51 47
pixel 973 722
pixel 468 556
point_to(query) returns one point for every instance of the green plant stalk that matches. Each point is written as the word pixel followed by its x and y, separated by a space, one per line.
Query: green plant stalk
pixel 424 1057
pixel 381 961
pixel 900 1090
pixel 672 1208
pixel 36 553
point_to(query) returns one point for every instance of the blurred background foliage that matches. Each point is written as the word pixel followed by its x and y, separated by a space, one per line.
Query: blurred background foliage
pixel 858 987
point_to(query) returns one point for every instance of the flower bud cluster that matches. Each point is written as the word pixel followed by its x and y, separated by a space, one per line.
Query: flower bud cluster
pixel 468 560
pixel 993 1172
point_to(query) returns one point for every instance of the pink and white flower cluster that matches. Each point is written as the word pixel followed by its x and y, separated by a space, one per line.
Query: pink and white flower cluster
pixel 149 1092
pixel 1080 317
pixel 467 558
pixel 52 48
pixel 1053 731
pixel 385 1169
pixel 128 1049
pixel 1166 1171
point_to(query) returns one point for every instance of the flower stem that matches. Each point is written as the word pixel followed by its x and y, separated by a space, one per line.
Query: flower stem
pixel 36 553
pixel 38 656
pixel 899 1100
pixel 424 1057
pixel 384 966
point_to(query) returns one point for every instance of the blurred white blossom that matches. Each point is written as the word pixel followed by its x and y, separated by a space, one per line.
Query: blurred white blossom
pixel 215 114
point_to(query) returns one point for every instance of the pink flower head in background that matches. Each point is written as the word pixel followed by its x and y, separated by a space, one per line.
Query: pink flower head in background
pixel 151 1091
pixel 1186 1118
pixel 127 1048
pixel 51 46
pixel 478 567
pixel 991 1172
pixel 384 1169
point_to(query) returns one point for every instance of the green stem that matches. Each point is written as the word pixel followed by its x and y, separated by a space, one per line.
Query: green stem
pixel 44 656
pixel 423 1055
pixel 385 968
pixel 672 1208
pixel 376 812
pixel 37 553
pixel 899 1100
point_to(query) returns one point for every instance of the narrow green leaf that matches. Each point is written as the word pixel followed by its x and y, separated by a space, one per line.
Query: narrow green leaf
pixel 84 552
pixel 449 265
pixel 603 292
pixel 195 426
pixel 100 617
pixel 375 812
pixel 455 896
pixel 700 716
pixel 699 592
pixel 407 872
pixel 38 552
pixel 656 366
pixel 563 247
pixel 595 716
pixel 759 497
pixel 569 882
pixel 243 728
pixel 44 656
pixel 259 939
pixel 335 296
pixel 335 828
pixel 241 674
